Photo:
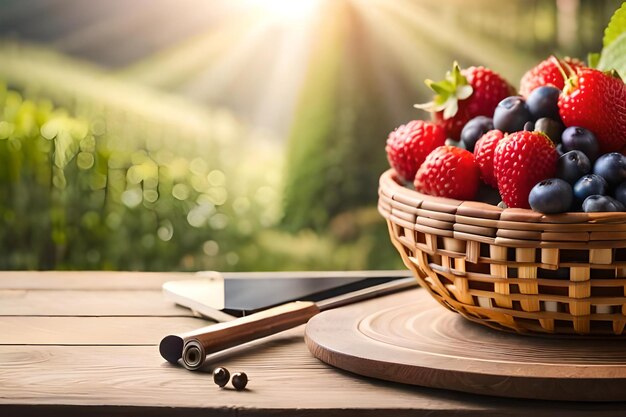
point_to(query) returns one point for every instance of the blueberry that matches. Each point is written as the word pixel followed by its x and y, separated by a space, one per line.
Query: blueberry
pixel 590 185
pixel 529 126
pixel 572 165
pixel 511 115
pixel 620 193
pixel 580 139
pixel 551 196
pixel 559 149
pixel 552 128
pixel 595 203
pixel 474 129
pixel 543 102
pixel 611 167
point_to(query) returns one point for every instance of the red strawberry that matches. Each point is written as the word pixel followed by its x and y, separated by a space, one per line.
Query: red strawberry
pixel 483 152
pixel 521 160
pixel 596 101
pixel 465 94
pixel 409 144
pixel 547 72
pixel 448 172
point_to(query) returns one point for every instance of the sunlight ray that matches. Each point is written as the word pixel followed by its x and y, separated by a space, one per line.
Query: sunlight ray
pixel 215 79
pixel 404 52
pixel 276 104
pixel 478 48
pixel 175 65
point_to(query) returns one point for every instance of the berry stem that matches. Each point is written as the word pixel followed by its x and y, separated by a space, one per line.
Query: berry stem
pixel 569 68
pixel 559 64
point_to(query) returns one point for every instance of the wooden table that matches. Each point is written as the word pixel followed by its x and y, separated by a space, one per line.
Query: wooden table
pixel 85 343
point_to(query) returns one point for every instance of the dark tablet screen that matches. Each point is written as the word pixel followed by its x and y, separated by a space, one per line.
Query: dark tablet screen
pixel 244 296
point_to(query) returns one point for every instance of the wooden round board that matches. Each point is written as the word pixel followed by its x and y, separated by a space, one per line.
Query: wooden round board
pixel 410 338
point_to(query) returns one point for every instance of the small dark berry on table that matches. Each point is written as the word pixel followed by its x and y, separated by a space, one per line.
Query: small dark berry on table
pixel 611 167
pixel 601 203
pixel 572 165
pixel 240 380
pixel 551 196
pixel 551 128
pixel 580 139
pixel 221 376
pixel 511 115
pixel 588 185
pixel 543 102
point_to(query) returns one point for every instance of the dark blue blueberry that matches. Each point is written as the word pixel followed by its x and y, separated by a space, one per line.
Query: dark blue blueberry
pixel 596 203
pixel 552 128
pixel 559 149
pixel 511 115
pixel 543 102
pixel 580 139
pixel 529 126
pixel 590 185
pixel 551 196
pixel 611 167
pixel 572 165
pixel 474 129
pixel 620 193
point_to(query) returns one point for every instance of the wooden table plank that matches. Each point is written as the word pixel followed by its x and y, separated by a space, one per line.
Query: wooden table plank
pixel 88 280
pixel 284 380
pixel 92 330
pixel 88 303
pixel 86 372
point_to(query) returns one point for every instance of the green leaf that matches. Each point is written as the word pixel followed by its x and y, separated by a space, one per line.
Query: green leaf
pixel 442 87
pixel 616 26
pixel 457 78
pixel 614 56
pixel 592 59
pixel 448 93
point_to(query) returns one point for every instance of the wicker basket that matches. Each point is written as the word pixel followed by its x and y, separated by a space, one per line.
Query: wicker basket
pixel 512 269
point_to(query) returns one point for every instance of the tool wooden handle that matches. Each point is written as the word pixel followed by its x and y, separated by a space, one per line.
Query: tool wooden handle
pixel 199 343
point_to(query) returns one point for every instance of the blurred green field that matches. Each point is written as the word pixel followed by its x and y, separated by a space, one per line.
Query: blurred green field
pixel 146 182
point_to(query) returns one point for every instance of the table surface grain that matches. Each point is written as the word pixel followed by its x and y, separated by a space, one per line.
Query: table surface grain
pixel 86 343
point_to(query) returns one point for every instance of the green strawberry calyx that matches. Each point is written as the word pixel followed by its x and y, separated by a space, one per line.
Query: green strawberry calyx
pixel 449 92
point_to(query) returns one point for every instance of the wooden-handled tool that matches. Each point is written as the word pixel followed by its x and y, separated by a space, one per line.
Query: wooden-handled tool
pixel 194 346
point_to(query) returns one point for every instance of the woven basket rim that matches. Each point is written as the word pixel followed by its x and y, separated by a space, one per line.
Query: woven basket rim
pixel 391 186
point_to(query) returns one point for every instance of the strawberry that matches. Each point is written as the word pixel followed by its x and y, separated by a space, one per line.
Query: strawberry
pixel 520 161
pixel 483 152
pixel 547 72
pixel 409 144
pixel 596 101
pixel 450 172
pixel 463 95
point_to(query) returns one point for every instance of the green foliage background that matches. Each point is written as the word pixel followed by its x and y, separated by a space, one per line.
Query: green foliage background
pixel 147 183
